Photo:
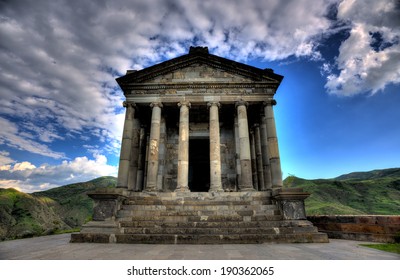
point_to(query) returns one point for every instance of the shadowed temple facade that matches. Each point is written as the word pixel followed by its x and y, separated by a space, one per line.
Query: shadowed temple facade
pixel 199 160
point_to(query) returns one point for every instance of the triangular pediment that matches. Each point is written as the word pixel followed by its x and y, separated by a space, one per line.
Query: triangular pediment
pixel 198 72
pixel 199 67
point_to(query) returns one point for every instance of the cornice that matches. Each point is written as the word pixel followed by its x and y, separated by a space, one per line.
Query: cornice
pixel 199 85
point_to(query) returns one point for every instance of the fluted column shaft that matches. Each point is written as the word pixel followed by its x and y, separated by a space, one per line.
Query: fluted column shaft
pixel 152 165
pixel 245 182
pixel 215 153
pixel 265 155
pixel 273 149
pixel 126 145
pixel 183 149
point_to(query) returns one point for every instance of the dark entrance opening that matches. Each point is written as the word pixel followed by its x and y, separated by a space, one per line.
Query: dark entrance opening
pixel 199 165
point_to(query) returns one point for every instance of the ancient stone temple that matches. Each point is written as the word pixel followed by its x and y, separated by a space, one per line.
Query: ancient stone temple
pixel 199 160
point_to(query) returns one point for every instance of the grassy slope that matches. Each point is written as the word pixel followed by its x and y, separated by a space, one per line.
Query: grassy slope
pixel 375 192
pixel 73 205
pixel 67 207
pixel 22 215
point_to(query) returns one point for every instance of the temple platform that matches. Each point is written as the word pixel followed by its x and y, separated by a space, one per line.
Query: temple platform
pixel 194 218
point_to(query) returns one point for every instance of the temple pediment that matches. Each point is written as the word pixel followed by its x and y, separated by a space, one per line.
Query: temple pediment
pixel 198 72
pixel 199 67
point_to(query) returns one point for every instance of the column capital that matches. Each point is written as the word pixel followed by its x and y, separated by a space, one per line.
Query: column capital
pixel 156 104
pixel 184 103
pixel 214 103
pixel 241 102
pixel 271 102
pixel 127 104
pixel 256 125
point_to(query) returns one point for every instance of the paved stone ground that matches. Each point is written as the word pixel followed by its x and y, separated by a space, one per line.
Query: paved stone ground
pixel 57 247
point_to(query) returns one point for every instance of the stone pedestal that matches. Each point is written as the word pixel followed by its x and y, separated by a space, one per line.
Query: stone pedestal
pixel 291 203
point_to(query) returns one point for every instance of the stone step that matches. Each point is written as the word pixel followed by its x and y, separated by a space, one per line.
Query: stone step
pixel 195 202
pixel 198 207
pixel 198 213
pixel 211 218
pixel 200 196
pixel 219 231
pixel 274 222
pixel 219 239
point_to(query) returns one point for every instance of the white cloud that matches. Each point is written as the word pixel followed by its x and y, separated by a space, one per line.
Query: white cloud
pixel 369 59
pixel 23 166
pixel 27 177
pixel 5 160
pixel 10 135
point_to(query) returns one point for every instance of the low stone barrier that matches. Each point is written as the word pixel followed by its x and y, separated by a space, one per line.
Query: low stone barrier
pixel 376 228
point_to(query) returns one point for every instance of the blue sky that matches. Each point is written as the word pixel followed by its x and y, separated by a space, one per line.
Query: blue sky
pixel 61 116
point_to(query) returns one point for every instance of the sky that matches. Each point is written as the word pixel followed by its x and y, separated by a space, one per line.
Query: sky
pixel 61 114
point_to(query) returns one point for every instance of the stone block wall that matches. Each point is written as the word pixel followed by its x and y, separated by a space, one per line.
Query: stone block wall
pixel 228 161
pixel 376 228
pixel 171 159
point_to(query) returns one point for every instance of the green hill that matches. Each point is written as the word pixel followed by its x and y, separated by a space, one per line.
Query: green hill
pixel 375 192
pixel 63 208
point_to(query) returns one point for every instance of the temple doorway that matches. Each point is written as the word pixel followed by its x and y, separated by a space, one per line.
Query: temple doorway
pixel 199 165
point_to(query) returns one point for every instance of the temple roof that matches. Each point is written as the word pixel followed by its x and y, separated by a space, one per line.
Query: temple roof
pixel 199 55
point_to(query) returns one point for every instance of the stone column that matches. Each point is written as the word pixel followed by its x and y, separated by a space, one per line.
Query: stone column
pixel 265 155
pixel 215 153
pixel 276 172
pixel 125 156
pixel 183 148
pixel 253 160
pixel 237 151
pixel 134 161
pixel 152 165
pixel 260 168
pixel 245 182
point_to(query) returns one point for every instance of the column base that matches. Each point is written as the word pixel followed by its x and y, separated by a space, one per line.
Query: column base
pixel 182 189
pixel 246 189
pixel 150 189
pixel 216 189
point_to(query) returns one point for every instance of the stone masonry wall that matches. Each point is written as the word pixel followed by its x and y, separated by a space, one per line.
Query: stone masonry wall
pixel 363 228
pixel 228 161
pixel 171 162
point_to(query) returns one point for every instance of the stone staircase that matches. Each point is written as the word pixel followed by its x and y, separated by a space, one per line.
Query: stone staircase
pixel 200 218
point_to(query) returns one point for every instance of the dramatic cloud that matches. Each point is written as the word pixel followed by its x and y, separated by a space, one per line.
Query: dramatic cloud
pixel 369 59
pixel 28 178
pixel 12 137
